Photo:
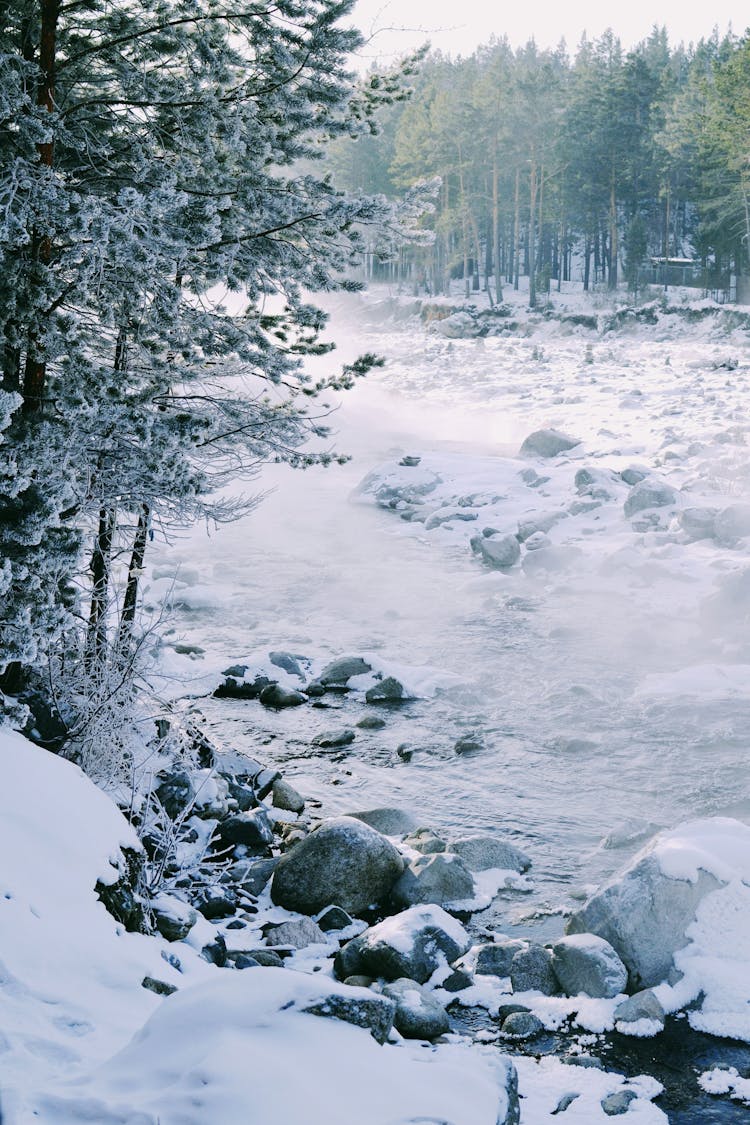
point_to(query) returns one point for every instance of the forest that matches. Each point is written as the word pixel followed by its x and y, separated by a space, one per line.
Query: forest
pixel 611 166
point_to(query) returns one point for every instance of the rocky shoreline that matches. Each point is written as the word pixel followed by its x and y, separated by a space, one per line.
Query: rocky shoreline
pixel 255 877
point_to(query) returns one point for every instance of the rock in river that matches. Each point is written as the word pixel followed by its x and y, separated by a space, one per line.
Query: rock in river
pixel 412 944
pixel 344 862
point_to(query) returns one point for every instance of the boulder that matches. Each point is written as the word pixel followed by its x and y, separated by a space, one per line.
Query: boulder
pixel 297 933
pixel 447 515
pixel 173 918
pixel 253 829
pixel 618 1102
pixel 522 1025
pixel 343 861
pixel 495 958
pixel 482 853
pixel 642 1009
pixel 418 1014
pixel 389 821
pixel 412 944
pixel 334 918
pixel 176 793
pixel 649 493
pixel 371 722
pixel 341 671
pixel 439 878
pixel 547 443
pixel 285 797
pixel 334 739
pixel 698 523
pixel 531 970
pixel 215 901
pixel 252 877
pixel 633 475
pixel 644 914
pixel 389 690
pixel 497 551
pixel 277 698
pixel 287 662
pixel 426 842
pixel 363 1009
pixel 234 687
pixel 587 963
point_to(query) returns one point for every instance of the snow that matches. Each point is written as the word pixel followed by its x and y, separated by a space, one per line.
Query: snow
pixel 718 845
pixel 546 1081
pixel 728 1081
pixel 400 930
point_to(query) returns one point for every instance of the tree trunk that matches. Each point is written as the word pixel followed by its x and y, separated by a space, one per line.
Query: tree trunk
pixel 130 601
pixel 517 230
pixel 101 558
pixel 496 230
pixel 532 234
pixel 587 264
pixel 35 370
pixel 613 246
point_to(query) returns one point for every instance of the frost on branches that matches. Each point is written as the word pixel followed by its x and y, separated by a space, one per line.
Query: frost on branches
pixel 153 155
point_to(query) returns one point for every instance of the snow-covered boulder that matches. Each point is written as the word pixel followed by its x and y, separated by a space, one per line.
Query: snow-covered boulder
pixel 458 326
pixel 344 862
pixel 531 970
pixel 418 1014
pixel 587 963
pixel 732 523
pixel 648 911
pixel 412 944
pixel 649 493
pixel 547 443
pixel 439 878
pixel 497 551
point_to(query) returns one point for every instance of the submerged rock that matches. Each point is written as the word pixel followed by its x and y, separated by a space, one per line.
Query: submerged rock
pixel 389 821
pixel 389 690
pixel 277 698
pixel 341 671
pixel 482 853
pixel 344 862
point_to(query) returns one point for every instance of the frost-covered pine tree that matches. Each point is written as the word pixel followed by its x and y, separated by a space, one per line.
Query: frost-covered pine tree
pixel 150 164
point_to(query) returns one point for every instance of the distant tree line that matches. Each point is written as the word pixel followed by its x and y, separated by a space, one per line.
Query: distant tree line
pixel 552 166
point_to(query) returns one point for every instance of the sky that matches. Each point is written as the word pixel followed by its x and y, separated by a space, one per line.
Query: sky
pixel 457 28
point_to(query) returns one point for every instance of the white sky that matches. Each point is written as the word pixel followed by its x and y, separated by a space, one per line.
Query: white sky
pixel 458 26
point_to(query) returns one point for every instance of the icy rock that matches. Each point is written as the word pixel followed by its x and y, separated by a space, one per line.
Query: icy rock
pixel 458 980
pixel 252 877
pixel 412 944
pixel 531 971
pixel 216 901
pixel 482 853
pixel 497 551
pixel 389 690
pixel 235 687
pixel 334 739
pixel 547 443
pixel 732 523
pixel 618 1102
pixel 160 987
pixel 458 326
pixel 215 952
pixel 297 933
pixel 440 878
pixel 536 541
pixel 173 918
pixel 522 1025
pixel 644 914
pixel 649 493
pixel 642 1006
pixel 341 671
pixel 468 744
pixel 343 861
pixel 539 524
pixel 633 475
pixel 285 797
pixel 122 899
pixel 495 958
pixel 288 663
pixel 371 1011
pixel 418 1014
pixel 390 821
pixel 448 515
pixel 277 698
pixel 253 829
pixel 371 722
pixel 587 963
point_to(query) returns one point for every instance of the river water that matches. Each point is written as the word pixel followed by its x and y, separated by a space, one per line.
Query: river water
pixel 579 763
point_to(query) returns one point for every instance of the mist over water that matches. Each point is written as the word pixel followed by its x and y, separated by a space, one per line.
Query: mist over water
pixel 568 673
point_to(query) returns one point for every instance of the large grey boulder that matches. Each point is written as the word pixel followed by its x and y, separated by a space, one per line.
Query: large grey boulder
pixel 547 443
pixel 531 970
pixel 459 326
pixel 173 918
pixel 587 963
pixel 482 853
pixel 643 1009
pixel 649 493
pixel 439 878
pixel 344 862
pixel 418 1014
pixel 412 944
pixel 389 820
pixel 497 551
pixel 297 933
pixel 644 915
pixel 495 958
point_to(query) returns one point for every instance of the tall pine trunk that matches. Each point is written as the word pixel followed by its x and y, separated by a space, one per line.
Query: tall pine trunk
pixel 613 245
pixel 496 230
pixel 533 185
pixel 130 601
pixel 517 230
